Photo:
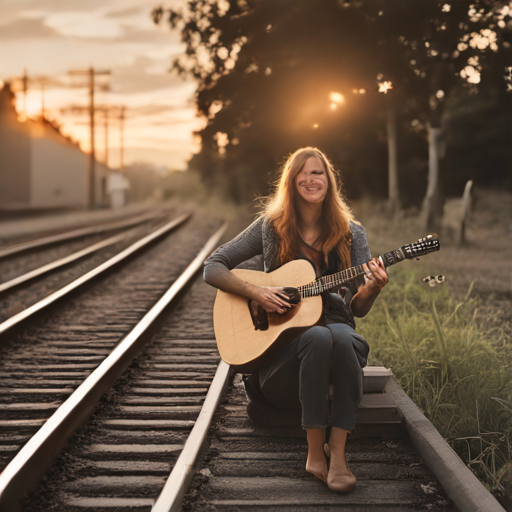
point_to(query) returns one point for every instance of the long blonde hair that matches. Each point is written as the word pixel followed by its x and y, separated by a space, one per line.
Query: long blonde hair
pixel 281 209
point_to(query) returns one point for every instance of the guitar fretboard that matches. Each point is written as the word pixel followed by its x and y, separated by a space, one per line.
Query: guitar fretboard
pixel 331 281
pixel 334 280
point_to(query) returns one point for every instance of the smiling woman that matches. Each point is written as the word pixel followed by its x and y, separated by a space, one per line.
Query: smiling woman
pixel 307 218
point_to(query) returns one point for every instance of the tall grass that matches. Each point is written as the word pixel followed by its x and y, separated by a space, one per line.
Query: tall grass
pixel 456 367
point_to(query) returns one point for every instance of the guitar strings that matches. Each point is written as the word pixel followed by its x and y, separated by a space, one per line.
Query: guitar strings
pixel 409 251
pixel 330 281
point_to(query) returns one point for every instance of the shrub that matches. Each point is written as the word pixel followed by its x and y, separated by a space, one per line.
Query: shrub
pixel 455 367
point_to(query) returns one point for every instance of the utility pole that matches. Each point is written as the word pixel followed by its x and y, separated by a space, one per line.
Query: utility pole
pixel 24 81
pixel 42 81
pixel 91 73
pixel 42 102
pixel 106 111
pixel 105 118
pixel 121 130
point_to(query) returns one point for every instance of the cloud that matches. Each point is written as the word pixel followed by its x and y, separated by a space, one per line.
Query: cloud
pixel 123 13
pixel 84 25
pixel 138 78
pixel 59 5
pixel 159 108
pixel 152 34
pixel 11 10
pixel 27 29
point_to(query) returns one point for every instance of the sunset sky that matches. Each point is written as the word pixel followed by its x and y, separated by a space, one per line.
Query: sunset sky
pixel 50 37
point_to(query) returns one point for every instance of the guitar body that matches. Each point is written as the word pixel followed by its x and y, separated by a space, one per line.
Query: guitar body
pixel 239 343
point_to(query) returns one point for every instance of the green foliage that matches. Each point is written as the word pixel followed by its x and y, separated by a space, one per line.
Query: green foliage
pixel 455 367
pixel 265 71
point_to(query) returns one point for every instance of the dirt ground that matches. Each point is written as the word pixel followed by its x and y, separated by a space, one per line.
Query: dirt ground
pixel 485 258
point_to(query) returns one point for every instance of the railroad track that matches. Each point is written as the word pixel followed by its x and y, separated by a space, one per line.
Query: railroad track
pixel 156 418
pixel 123 456
pixel 25 243
pixel 29 393
pixel 43 365
pixel 27 278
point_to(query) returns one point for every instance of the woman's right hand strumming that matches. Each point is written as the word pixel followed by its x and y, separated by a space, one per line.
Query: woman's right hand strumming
pixel 271 298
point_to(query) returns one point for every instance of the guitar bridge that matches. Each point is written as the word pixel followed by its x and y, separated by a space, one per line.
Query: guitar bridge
pixel 259 316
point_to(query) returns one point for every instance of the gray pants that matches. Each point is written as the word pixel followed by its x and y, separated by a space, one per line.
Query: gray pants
pixel 303 374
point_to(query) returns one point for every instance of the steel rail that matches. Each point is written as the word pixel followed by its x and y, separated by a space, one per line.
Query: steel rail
pixel 61 262
pixel 38 306
pixel 77 233
pixel 28 466
pixel 176 486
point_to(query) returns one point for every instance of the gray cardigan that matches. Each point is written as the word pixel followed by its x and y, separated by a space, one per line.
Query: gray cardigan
pixel 256 248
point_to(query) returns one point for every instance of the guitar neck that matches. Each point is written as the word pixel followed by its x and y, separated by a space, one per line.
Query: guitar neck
pixel 344 276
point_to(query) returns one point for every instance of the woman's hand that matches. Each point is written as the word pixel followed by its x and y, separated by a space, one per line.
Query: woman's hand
pixel 376 276
pixel 375 279
pixel 271 298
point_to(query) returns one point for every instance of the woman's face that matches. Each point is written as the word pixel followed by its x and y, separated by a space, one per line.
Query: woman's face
pixel 311 182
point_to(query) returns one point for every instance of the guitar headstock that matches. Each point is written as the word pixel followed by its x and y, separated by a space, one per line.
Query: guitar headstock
pixel 426 245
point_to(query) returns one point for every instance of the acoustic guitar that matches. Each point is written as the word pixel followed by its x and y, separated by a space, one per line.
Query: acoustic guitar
pixel 249 338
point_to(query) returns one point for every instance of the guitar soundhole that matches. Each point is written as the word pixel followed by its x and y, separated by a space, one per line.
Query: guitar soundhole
pixel 261 319
pixel 279 319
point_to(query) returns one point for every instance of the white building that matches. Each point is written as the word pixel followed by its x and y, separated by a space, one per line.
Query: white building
pixel 40 168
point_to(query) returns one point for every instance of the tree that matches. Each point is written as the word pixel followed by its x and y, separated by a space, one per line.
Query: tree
pixel 446 45
pixel 266 72
pixel 276 95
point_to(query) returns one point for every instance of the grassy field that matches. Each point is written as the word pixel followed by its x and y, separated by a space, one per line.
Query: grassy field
pixel 450 346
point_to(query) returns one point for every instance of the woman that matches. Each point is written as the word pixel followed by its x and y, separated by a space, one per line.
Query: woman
pixel 307 218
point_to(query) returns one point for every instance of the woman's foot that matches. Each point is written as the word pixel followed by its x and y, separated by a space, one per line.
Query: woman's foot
pixel 339 478
pixel 317 468
pixel 316 463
